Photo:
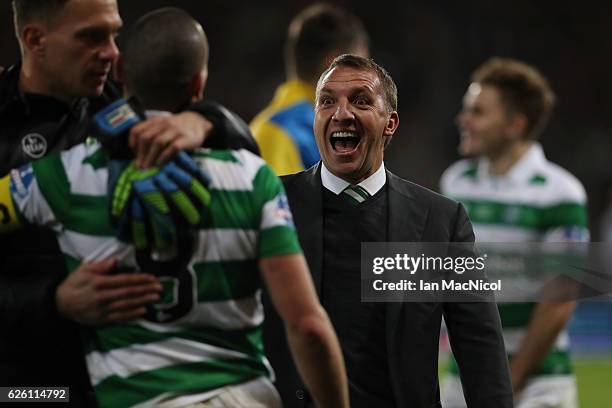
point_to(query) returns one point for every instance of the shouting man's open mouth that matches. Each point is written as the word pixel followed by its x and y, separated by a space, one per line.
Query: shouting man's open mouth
pixel 345 141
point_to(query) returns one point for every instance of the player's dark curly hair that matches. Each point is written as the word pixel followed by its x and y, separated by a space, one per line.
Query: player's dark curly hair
pixel 522 88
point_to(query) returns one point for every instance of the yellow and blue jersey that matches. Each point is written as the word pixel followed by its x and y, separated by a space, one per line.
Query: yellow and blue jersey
pixel 284 131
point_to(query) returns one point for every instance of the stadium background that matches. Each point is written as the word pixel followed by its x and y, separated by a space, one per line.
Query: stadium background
pixel 430 48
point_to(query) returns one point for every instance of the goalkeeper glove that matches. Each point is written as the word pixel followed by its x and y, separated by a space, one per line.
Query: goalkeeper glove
pixel 147 205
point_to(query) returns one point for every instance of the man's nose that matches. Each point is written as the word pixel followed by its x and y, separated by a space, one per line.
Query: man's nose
pixel 343 112
pixel 109 51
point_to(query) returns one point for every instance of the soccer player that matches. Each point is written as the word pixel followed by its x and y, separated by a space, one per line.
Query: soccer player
pixel 283 130
pixel 211 352
pixel 46 100
pixel 514 194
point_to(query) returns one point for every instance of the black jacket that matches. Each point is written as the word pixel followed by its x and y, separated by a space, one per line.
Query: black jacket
pixel 412 329
pixel 37 346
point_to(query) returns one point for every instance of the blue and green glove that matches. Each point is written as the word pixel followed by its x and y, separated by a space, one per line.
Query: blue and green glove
pixel 148 206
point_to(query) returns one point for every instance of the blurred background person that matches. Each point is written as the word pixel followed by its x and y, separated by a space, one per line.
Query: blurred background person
pixel 283 130
pixel 514 194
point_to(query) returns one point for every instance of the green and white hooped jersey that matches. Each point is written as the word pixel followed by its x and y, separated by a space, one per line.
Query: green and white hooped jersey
pixel 535 201
pixel 219 340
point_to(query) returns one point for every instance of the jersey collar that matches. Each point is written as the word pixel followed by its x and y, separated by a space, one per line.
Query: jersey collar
pixel 522 170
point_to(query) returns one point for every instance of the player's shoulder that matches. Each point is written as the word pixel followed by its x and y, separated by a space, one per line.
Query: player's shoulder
pixel 87 148
pixel 238 157
pixel 464 168
pixel 460 171
pixel 87 153
pixel 282 121
pixel 248 159
pixel 558 182
pixel 231 169
pixel 262 123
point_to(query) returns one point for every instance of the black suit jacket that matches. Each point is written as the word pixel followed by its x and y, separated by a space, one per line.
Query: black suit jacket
pixel 415 214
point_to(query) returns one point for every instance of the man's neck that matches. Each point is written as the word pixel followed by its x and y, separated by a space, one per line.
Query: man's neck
pixel 30 81
pixel 501 163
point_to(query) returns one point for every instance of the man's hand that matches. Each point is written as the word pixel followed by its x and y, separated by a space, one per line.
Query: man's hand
pixel 159 138
pixel 92 296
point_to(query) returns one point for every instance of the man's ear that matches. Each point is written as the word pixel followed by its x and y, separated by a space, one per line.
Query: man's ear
pixel 197 85
pixel 33 38
pixel 517 126
pixel 391 127
pixel 392 124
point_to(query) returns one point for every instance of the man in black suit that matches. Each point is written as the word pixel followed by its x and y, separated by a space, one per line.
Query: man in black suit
pixel 390 349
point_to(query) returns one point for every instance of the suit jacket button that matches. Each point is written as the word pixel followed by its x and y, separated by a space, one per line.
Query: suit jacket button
pixel 299 394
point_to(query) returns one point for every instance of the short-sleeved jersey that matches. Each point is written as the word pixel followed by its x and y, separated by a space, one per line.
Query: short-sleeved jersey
pixel 284 130
pixel 535 201
pixel 218 340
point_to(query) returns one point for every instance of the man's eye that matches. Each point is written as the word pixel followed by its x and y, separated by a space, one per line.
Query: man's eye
pixel 361 101
pixel 95 37
pixel 325 101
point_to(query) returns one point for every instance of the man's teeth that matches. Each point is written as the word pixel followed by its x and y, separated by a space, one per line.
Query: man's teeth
pixel 344 134
pixel 344 141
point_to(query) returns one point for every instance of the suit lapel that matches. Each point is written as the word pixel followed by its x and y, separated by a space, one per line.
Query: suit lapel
pixel 306 201
pixel 406 216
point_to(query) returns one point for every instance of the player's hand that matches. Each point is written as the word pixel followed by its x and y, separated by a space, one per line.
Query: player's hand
pixel 91 295
pixel 157 139
pixel 147 205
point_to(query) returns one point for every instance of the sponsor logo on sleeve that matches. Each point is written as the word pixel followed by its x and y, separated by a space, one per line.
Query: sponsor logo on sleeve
pixel 282 211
